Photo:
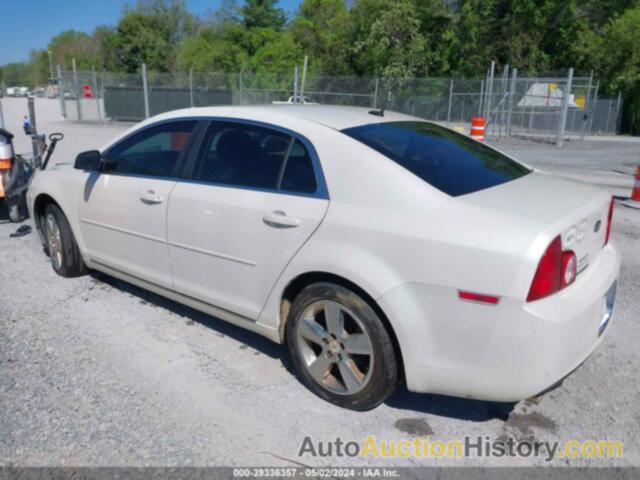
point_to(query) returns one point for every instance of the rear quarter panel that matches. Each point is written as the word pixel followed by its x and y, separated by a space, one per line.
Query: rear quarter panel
pixel 385 227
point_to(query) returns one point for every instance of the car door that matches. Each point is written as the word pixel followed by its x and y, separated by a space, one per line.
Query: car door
pixel 123 208
pixel 255 197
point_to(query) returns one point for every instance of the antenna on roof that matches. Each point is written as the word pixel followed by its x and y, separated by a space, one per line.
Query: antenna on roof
pixel 377 113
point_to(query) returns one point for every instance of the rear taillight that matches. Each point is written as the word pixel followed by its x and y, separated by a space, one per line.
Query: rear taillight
pixel 609 219
pixel 556 270
pixel 547 278
pixel 5 163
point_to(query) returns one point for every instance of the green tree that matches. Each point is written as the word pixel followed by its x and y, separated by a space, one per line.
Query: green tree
pixel 207 51
pixel 263 14
pixel 71 44
pixel 437 20
pixel 393 46
pixel 105 38
pixel 277 55
pixel 140 39
pixel 16 74
pixel 620 66
pixel 228 13
pixel 321 30
pixel 150 33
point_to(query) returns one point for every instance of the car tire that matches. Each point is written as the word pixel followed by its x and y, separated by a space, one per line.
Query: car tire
pixel 340 348
pixel 17 207
pixel 61 244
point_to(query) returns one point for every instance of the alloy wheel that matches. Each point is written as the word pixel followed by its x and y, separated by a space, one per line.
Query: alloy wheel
pixel 54 240
pixel 335 347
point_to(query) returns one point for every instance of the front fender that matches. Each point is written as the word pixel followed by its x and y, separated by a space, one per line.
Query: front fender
pixel 60 186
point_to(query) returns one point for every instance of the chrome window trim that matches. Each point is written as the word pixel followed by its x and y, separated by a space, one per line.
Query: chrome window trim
pixel 322 191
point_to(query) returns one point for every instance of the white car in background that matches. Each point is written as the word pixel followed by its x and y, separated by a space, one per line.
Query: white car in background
pixel 296 100
pixel 379 247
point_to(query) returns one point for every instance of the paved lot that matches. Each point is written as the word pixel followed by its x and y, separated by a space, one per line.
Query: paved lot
pixel 94 371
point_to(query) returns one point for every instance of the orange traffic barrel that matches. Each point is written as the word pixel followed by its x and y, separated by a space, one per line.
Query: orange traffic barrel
pixel 635 193
pixel 477 128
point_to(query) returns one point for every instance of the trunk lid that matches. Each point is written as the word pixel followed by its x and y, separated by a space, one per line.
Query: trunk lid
pixel 577 211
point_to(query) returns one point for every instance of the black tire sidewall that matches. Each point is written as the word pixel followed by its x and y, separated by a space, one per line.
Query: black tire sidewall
pixel 384 377
pixel 16 208
pixel 72 264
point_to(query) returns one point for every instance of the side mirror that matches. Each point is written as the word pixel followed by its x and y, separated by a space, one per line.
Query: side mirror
pixel 90 160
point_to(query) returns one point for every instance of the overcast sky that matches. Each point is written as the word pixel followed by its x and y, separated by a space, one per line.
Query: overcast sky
pixel 30 24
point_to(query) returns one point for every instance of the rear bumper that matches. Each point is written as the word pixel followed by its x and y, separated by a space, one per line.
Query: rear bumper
pixel 507 352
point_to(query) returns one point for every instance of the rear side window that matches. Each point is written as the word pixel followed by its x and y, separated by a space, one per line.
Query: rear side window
pixel 242 155
pixel 298 175
pixel 154 151
pixel 446 160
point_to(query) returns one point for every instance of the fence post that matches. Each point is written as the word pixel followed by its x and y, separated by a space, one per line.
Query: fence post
pixel 565 108
pixel 96 94
pixel 304 77
pixel 63 106
pixel 609 102
pixel 450 99
pixel 587 105
pixel 531 110
pixel 191 86
pixel 77 88
pixel 376 90
pixel 618 111
pixel 145 90
pixel 480 110
pixel 489 91
pixel 512 93
pixel 595 104
pixel 35 138
pixel 295 84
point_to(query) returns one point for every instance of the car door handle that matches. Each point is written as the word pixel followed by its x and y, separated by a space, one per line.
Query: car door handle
pixel 279 219
pixel 151 198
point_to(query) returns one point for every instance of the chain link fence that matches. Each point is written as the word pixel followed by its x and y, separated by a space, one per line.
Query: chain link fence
pixel 548 108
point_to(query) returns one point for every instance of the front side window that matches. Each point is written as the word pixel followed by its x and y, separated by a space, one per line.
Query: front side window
pixel 154 151
pixel 256 157
pixel 449 161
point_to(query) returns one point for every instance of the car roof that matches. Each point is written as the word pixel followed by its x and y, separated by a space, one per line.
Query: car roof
pixel 333 116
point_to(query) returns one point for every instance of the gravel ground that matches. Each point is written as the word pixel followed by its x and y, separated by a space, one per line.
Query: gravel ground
pixel 94 371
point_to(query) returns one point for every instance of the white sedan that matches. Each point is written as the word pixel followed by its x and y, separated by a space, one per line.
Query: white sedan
pixel 379 247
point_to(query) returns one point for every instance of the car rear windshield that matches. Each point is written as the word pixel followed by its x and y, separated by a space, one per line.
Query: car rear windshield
pixel 449 161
